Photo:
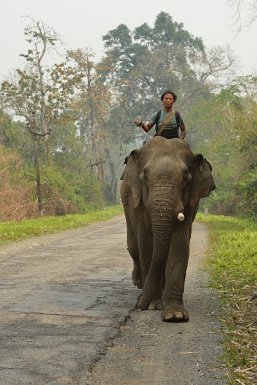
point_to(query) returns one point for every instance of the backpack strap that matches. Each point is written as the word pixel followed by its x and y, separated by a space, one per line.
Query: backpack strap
pixel 158 115
pixel 166 121
pixel 177 116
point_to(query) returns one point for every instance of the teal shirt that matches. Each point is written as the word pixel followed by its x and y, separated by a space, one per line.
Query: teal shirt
pixel 171 130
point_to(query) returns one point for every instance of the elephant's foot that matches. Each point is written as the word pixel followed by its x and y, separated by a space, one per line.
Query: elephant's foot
pixel 136 277
pixel 175 313
pixel 156 304
pixel 142 304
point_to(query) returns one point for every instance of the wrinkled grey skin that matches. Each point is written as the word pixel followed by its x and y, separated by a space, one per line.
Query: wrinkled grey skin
pixel 160 180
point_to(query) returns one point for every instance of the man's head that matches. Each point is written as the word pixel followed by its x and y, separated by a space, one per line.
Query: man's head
pixel 168 92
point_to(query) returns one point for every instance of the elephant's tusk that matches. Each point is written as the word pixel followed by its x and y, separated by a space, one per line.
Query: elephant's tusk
pixel 180 216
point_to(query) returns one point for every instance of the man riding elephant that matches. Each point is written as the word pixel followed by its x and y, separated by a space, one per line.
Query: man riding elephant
pixel 168 122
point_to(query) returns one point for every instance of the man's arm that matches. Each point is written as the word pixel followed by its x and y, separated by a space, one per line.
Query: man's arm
pixel 145 125
pixel 181 125
pixel 182 132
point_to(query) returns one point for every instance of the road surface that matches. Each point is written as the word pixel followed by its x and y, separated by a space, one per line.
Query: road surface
pixel 69 317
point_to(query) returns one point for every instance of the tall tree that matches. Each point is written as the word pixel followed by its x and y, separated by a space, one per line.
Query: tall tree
pixel 142 63
pixel 91 105
pixel 39 93
pixel 150 59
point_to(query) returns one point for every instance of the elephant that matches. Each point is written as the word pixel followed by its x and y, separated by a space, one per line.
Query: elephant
pixel 162 184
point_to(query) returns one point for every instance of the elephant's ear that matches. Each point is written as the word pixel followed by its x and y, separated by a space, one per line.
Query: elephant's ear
pixel 198 162
pixel 126 159
pixel 132 173
pixel 202 181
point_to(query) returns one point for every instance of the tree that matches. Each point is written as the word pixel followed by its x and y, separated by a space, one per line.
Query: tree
pixel 150 59
pixel 139 65
pixel 39 93
pixel 91 109
pixel 245 121
pixel 92 100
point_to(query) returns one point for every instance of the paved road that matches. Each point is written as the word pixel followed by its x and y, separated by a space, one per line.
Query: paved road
pixel 68 316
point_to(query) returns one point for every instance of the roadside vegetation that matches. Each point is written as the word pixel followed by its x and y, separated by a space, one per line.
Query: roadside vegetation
pixel 233 263
pixel 18 230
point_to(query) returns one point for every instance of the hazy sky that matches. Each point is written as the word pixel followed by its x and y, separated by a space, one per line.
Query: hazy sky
pixel 82 23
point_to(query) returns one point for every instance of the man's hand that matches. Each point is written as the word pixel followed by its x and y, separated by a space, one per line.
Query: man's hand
pixel 138 122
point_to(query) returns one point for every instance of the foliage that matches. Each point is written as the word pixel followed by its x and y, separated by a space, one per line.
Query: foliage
pixel 233 262
pixel 247 188
pixel 223 128
pixel 38 89
pixel 92 101
pixel 65 192
pixel 16 192
pixel 212 136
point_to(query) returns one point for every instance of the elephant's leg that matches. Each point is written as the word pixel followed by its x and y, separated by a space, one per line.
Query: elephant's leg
pixel 132 243
pixel 175 274
pixel 156 303
pixel 134 253
pixel 145 252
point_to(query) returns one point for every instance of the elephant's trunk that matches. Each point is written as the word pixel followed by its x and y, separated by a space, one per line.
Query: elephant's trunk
pixel 164 216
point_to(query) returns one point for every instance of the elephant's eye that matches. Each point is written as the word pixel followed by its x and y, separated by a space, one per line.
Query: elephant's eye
pixel 145 176
pixel 145 172
pixel 185 175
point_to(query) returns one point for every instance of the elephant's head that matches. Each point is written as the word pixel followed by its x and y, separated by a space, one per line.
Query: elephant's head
pixel 164 177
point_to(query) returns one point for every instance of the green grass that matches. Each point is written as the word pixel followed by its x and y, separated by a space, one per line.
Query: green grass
pixel 14 231
pixel 232 260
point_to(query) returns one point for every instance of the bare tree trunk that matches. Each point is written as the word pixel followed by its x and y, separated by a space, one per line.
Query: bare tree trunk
pixel 37 170
pixel 113 175
pixel 43 117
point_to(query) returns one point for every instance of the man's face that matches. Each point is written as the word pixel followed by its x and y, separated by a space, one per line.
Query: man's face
pixel 168 100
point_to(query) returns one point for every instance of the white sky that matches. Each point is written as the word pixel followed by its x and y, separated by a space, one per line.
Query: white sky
pixel 82 23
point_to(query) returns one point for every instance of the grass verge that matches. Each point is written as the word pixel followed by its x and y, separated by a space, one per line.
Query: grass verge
pixel 14 231
pixel 232 258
